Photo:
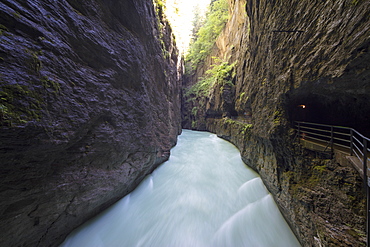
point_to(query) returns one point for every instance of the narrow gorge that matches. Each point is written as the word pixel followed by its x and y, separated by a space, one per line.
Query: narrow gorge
pixel 93 95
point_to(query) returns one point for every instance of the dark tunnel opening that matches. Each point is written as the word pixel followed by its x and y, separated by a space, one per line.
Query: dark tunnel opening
pixel 339 110
pixel 340 101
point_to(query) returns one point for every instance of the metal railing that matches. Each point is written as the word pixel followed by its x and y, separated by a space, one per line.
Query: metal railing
pixel 345 139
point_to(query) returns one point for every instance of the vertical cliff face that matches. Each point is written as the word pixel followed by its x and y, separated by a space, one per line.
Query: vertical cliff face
pixel 310 53
pixel 290 53
pixel 227 49
pixel 89 104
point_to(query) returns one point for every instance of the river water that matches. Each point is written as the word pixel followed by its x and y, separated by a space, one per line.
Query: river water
pixel 204 195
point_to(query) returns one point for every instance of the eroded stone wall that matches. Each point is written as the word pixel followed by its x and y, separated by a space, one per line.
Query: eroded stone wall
pixel 90 104
pixel 291 53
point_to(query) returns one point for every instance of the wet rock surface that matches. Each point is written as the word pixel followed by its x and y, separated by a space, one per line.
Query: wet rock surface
pixel 291 53
pixel 322 199
pixel 89 106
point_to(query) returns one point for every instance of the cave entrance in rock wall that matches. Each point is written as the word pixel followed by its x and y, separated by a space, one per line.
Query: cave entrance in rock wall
pixel 337 108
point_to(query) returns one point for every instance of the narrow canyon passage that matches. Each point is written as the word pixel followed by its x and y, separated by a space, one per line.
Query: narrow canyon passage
pixel 93 96
pixel 204 195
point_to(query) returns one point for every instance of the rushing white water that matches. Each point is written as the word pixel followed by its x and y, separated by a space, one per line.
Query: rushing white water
pixel 204 195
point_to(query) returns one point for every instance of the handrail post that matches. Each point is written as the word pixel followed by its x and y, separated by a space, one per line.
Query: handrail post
pixel 351 142
pixel 364 160
pixel 367 191
pixel 332 141
pixel 299 131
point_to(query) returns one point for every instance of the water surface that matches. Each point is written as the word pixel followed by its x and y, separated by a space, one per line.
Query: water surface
pixel 204 195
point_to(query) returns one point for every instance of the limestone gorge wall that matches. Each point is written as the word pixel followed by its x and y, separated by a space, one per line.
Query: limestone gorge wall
pixel 227 48
pixel 290 53
pixel 89 104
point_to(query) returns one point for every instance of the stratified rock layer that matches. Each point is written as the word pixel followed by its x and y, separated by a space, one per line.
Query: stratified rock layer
pixel 292 53
pixel 89 105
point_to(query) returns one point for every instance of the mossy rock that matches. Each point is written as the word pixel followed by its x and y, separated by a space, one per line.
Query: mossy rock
pixel 19 104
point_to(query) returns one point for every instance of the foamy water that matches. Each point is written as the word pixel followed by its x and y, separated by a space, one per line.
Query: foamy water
pixel 204 195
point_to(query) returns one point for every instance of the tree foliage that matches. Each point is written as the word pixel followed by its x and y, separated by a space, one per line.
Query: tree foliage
pixel 220 72
pixel 201 46
pixel 198 22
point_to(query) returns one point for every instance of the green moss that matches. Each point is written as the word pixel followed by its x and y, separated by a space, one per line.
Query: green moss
pixel 312 181
pixel 352 198
pixel 278 115
pixel 2 27
pixel 159 8
pixel 242 98
pixel 194 111
pixel 3 30
pixel 247 127
pixel 320 168
pixel 21 103
pixel 18 105
pixel 34 63
pixel 264 81
pixel 194 124
pixel 47 83
pixel 242 95
pixel 161 23
pixel 247 131
pixel 228 120
pixel 16 14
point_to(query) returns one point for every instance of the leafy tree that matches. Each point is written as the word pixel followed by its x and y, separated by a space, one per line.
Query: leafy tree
pixel 198 22
pixel 201 47
pixel 220 72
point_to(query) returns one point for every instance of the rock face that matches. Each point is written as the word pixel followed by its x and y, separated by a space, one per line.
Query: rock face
pixel 291 53
pixel 89 105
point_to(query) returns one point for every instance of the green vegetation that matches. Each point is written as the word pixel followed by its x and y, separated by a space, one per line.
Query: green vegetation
pixel 221 73
pixel 194 124
pixel 241 98
pixel 16 14
pixel 320 168
pixel 162 22
pixel 159 8
pixel 3 29
pixel 194 111
pixel 47 83
pixel 278 116
pixel 207 34
pixel 18 104
pixel 198 22
pixel 34 62
pixel 246 130
pixel 22 101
